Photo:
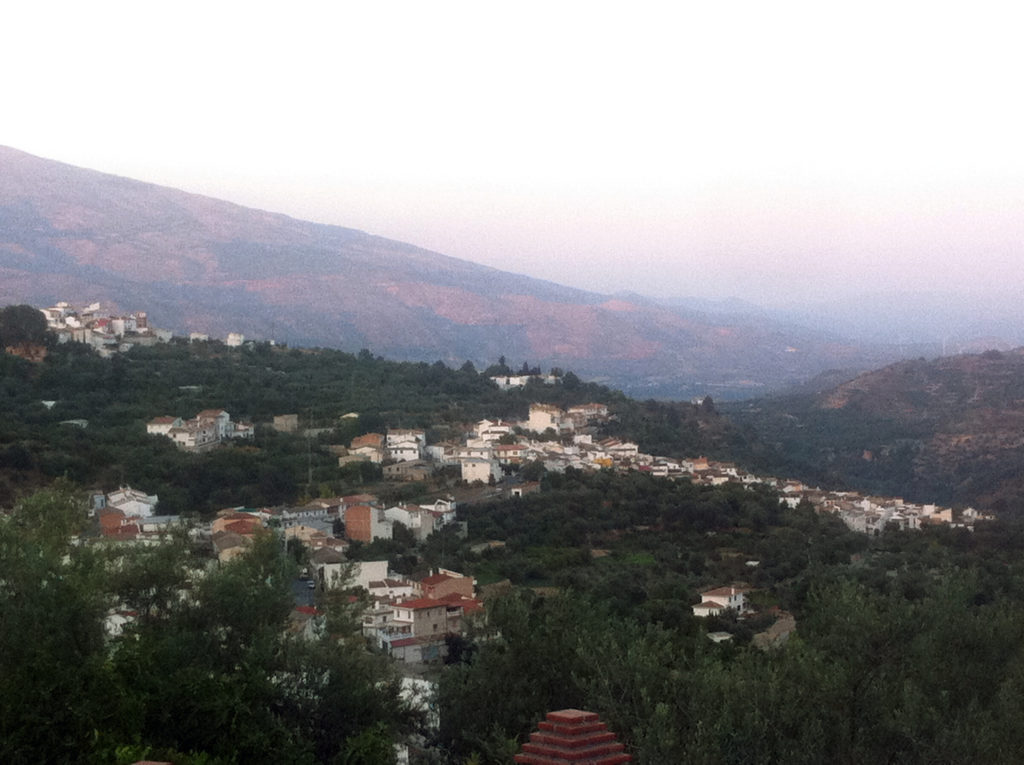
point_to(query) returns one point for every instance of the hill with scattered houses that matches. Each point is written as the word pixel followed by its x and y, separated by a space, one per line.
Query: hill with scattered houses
pixel 197 264
pixel 941 430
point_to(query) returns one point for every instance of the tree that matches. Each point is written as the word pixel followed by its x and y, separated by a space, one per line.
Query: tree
pixel 21 325
pixel 56 687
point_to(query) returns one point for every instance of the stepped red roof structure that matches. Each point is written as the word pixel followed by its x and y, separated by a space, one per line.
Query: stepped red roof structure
pixel 572 737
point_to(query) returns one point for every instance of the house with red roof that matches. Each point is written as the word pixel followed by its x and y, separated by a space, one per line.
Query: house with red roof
pixel 721 599
pixel 203 432
pixel 369 446
pixel 444 582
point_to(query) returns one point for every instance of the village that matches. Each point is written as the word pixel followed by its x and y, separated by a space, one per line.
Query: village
pixel 561 439
pixel 410 620
pixel 109 332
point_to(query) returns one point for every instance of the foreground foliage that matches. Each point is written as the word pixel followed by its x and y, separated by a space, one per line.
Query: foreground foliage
pixel 908 648
pixel 208 671
pixel 870 677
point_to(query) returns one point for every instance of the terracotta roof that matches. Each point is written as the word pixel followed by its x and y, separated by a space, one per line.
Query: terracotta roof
pixel 469 605
pixel 237 516
pixel 110 519
pixel 246 527
pixel 724 592
pixel 711 604
pixel 403 642
pixel 421 603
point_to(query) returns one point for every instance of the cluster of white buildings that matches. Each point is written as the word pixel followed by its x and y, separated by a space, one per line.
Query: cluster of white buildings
pixel 507 382
pixel 106 332
pixel 110 332
pixel 871 515
pixel 201 433
pixel 560 439
pixel 129 515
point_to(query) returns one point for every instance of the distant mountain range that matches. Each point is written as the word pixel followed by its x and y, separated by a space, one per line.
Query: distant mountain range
pixel 949 430
pixel 201 264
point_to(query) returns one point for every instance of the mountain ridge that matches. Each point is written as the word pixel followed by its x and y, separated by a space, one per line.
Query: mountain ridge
pixel 197 263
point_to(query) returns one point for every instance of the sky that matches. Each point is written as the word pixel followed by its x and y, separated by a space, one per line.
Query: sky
pixel 781 153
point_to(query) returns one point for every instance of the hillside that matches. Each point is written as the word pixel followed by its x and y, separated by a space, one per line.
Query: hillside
pixel 117 396
pixel 196 263
pixel 946 430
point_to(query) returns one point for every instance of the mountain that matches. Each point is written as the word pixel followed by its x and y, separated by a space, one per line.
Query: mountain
pixel 948 430
pixel 200 264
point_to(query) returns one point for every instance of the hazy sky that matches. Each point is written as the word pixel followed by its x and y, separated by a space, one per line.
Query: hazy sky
pixel 772 151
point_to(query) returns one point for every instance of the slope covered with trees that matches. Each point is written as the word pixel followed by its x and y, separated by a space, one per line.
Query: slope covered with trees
pixel 947 430
pixel 117 396
pixel 908 648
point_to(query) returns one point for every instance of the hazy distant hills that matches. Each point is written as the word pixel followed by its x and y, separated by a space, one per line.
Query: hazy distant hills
pixel 201 264
pixel 947 430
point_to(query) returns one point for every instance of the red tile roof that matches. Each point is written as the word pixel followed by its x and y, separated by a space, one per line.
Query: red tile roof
pixel 403 642
pixel 421 603
pixel 469 605
pixel 711 604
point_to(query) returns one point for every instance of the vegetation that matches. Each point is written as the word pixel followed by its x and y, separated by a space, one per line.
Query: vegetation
pixel 21 325
pixel 908 647
pixel 118 396
pixel 207 673
pixel 945 431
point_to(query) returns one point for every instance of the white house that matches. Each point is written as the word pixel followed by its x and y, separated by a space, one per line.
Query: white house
pixel 476 469
pixel 404 445
pixel 161 426
pixel 544 416
pixel 492 430
pixel 419 520
pixel 367 571
pixel 218 419
pixel 131 502
pixel 721 598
